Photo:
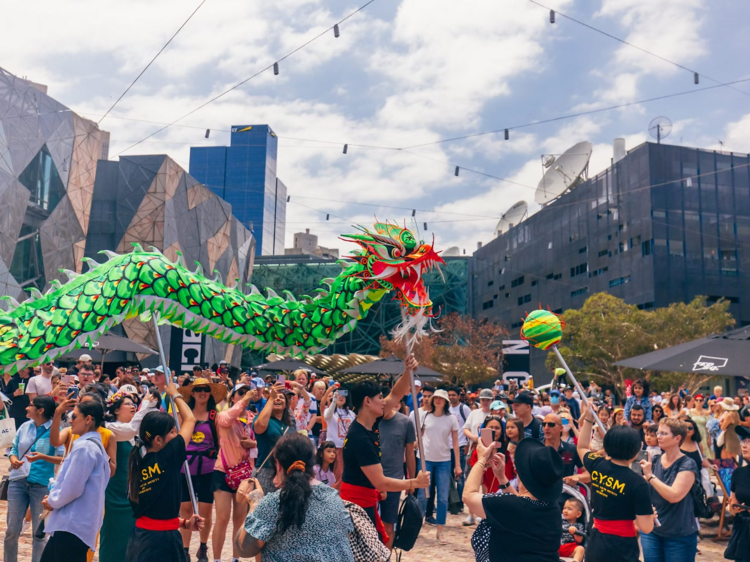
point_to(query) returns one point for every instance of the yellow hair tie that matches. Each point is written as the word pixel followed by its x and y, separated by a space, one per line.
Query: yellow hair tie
pixel 296 465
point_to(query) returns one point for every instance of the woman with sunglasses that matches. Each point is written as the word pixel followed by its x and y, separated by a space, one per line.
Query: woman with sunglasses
pixel 700 416
pixel 693 446
pixel 76 498
pixel 202 451
pixel 234 458
pixel 495 423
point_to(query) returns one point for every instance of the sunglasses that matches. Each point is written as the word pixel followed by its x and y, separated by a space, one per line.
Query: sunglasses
pixel 202 389
pixel 549 424
pixel 242 392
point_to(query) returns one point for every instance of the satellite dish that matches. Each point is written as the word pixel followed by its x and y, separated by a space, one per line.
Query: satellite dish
pixel 451 252
pixel 547 160
pixel 660 127
pixel 512 217
pixel 564 173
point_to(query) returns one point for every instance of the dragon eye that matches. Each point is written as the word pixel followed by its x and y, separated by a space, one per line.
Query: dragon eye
pixel 396 253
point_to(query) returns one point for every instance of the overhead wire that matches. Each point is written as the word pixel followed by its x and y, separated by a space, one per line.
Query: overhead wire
pixel 151 62
pixel 632 45
pixel 273 66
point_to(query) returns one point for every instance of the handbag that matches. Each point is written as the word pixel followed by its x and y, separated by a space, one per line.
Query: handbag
pixel 454 501
pixel 7 432
pixel 4 488
pixel 701 506
pixel 237 473
pixel 364 540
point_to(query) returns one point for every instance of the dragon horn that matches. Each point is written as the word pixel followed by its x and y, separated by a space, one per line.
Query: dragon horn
pixel 137 247
pixel 217 277
pixel 181 259
pixel 91 261
pixel 199 268
pixel 71 274
pixel 156 250
pixel 110 254
pixel 12 303
pixel 35 294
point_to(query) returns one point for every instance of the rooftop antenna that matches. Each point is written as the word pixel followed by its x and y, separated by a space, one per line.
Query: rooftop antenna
pixel 660 127
pixel 564 172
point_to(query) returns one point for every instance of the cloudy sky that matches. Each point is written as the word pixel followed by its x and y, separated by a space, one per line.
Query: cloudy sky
pixel 403 73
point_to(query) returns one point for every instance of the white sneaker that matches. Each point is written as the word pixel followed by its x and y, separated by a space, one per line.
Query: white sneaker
pixel 469 521
pixel 24 526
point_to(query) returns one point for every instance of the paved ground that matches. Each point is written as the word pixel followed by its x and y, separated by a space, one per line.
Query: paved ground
pixel 427 548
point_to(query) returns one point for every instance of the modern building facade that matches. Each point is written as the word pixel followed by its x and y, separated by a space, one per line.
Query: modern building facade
pixel 662 225
pixel 302 274
pixel 48 158
pixel 151 200
pixel 244 175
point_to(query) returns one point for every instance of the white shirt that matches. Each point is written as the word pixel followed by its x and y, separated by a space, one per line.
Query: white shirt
pixel 39 385
pixel 475 421
pixel 338 420
pixel 437 436
pixel 417 425
pixel 460 411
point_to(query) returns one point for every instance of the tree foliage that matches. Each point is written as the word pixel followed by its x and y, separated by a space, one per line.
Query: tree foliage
pixel 607 330
pixel 465 350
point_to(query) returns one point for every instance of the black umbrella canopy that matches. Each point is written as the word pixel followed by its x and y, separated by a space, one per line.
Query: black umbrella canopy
pixel 389 366
pixel 106 344
pixel 726 354
pixel 288 365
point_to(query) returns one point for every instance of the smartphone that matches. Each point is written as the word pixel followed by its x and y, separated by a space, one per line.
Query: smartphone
pixel 486 436
pixel 343 392
pixel 636 466
pixel 281 379
pixel 67 379
pixel 73 392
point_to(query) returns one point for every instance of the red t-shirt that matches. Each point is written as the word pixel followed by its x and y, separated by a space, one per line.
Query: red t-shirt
pixel 488 479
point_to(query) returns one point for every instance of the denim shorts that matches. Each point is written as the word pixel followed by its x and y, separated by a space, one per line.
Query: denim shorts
pixel 389 508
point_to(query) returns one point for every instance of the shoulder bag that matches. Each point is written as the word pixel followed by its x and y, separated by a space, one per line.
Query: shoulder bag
pixel 236 474
pixel 5 482
pixel 364 539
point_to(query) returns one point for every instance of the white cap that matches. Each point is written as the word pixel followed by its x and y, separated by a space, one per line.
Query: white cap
pixel 417 382
pixel 657 399
pixel 85 357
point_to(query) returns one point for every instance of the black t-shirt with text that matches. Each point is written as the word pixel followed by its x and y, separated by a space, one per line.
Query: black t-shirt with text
pixel 159 483
pixel 361 448
pixel 617 493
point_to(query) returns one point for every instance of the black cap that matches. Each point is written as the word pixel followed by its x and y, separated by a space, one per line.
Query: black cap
pixel 524 397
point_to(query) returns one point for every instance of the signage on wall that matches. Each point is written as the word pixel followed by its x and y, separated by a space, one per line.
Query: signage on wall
pixel 516 363
pixel 186 350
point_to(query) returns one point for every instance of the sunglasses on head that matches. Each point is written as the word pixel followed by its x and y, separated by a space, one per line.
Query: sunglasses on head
pixel 202 389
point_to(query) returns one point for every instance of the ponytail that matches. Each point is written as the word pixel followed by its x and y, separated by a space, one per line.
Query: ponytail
pixel 154 424
pixel 296 455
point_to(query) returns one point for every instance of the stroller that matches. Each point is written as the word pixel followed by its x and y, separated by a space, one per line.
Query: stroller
pixel 586 519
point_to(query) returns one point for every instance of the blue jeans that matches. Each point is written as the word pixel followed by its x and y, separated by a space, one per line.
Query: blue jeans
pixel 440 473
pixel 676 549
pixel 22 495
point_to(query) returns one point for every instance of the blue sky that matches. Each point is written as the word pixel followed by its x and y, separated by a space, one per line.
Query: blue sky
pixel 402 73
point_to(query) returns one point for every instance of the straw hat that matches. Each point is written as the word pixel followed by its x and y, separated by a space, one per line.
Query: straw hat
pixel 728 404
pixel 219 391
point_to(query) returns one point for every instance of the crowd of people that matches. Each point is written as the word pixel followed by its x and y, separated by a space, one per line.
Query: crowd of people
pixel 133 466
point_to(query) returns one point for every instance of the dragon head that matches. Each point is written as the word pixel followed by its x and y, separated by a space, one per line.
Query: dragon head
pixel 393 259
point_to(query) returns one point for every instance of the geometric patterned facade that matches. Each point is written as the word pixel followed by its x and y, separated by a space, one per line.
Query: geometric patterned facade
pixel 153 201
pixel 48 158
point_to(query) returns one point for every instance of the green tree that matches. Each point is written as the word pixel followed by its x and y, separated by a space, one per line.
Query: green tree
pixel 607 330
pixel 464 350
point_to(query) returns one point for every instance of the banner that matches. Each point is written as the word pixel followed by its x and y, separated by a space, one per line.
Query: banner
pixel 516 363
pixel 186 349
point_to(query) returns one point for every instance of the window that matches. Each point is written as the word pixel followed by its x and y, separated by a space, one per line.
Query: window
pixel 27 265
pixel 558 311
pixel 579 292
pixel 599 271
pixel 501 288
pixel 42 179
pixel 619 281
pixel 603 253
pixel 579 269
pixel 550 276
pixel 490 283
pixel 487 304
pixel 516 282
pixel 516 325
pixel 557 276
pixel 583 250
pixel 646 248
pixel 535 282
pixel 494 296
pixel 647 305
pixel 713 298
pixel 507 295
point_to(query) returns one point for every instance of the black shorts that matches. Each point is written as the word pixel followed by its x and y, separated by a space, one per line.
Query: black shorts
pixel 389 508
pixel 219 483
pixel 202 485
pixel 147 546
pixel 612 548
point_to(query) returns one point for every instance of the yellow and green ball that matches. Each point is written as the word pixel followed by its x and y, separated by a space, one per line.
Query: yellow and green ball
pixel 542 329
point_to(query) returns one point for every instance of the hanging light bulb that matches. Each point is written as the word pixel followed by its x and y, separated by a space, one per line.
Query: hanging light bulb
pixel 696 78
pixel 208 132
pixel 414 212
pixel 346 148
pixel 336 31
pixel 552 16
pixel 456 170
pixel 425 226
pixel 507 134
pixel 288 198
pixel 276 68
pixel 328 216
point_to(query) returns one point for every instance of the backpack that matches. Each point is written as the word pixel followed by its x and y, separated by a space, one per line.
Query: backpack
pixel 410 518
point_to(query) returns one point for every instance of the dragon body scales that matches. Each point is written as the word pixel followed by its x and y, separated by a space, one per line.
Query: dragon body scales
pixel 74 314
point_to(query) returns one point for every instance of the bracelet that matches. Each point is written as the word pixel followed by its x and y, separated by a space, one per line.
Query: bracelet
pixel 590 421
pixel 504 486
pixel 650 478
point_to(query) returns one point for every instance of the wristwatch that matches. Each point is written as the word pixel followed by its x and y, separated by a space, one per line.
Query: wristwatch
pixel 503 486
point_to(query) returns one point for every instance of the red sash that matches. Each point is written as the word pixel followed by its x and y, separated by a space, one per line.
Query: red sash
pixel 619 528
pixel 364 497
pixel 158 524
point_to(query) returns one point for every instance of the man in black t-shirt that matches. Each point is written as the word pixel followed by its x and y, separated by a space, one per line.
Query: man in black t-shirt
pixel 363 478
pixel 522 407
pixel 552 427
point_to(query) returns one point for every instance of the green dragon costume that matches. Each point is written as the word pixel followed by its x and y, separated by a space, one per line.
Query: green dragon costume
pixel 72 315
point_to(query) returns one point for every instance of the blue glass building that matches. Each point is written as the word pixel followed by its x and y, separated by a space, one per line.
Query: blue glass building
pixel 244 175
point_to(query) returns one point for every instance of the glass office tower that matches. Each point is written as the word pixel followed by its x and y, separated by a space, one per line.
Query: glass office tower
pixel 244 175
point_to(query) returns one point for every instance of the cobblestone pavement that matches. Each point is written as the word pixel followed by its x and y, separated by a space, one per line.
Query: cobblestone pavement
pixel 427 548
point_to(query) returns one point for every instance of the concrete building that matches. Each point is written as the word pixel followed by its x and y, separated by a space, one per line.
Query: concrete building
pixel 307 244
pixel 662 225
pixel 244 175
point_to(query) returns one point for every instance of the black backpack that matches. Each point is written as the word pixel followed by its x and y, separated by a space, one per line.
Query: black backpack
pixel 410 518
